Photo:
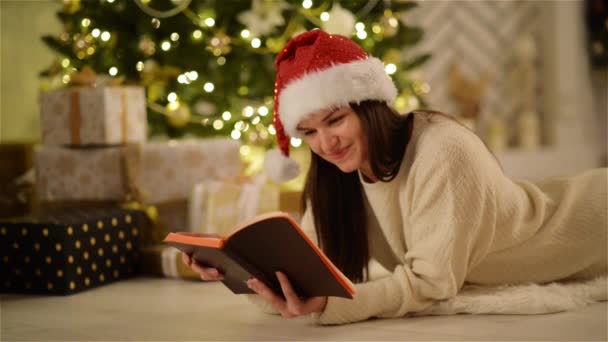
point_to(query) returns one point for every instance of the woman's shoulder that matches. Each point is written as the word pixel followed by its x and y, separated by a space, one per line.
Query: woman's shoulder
pixel 442 132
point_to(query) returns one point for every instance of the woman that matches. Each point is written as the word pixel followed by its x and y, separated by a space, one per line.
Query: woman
pixel 419 193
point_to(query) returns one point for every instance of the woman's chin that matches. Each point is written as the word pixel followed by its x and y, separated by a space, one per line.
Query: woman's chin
pixel 346 168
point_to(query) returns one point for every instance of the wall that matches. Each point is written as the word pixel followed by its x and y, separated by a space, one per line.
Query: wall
pixel 479 34
pixel 22 56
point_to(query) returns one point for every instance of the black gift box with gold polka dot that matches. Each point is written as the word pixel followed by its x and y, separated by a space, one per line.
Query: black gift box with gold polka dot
pixel 67 252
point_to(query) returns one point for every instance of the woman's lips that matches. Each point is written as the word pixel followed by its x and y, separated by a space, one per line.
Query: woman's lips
pixel 339 154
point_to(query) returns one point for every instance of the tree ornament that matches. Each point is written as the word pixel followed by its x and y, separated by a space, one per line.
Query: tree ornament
pixel 146 46
pixel 263 17
pixel 71 6
pixel 392 56
pixel 275 44
pixel 204 108
pixel 341 21
pixel 81 45
pixel 178 115
pixel 389 23
pixel 220 44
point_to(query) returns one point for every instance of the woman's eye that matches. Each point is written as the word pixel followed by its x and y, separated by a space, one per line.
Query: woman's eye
pixel 336 120
pixel 308 133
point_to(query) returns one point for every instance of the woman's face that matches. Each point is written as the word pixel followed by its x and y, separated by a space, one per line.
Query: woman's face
pixel 337 136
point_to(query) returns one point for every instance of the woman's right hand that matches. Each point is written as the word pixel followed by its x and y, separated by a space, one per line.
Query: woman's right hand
pixel 206 273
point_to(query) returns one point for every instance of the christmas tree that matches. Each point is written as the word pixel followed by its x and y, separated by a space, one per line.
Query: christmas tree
pixel 207 65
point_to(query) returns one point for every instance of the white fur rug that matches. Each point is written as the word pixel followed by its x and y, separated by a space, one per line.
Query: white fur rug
pixel 529 299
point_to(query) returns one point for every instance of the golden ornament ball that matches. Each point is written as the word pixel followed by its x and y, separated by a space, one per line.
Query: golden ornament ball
pixel 178 115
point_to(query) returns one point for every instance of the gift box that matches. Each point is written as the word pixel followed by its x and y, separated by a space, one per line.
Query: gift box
pixel 67 252
pixel 104 115
pixel 165 261
pixel 151 173
pixel 161 219
pixel 217 207
pixel 15 191
pixel 291 202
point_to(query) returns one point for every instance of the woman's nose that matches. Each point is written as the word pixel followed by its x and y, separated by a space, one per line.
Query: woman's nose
pixel 328 141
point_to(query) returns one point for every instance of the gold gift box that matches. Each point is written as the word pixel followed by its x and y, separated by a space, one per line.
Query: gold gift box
pixel 218 207
pixel 155 172
pixel 93 116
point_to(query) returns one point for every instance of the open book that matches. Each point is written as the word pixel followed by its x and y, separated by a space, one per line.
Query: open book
pixel 258 248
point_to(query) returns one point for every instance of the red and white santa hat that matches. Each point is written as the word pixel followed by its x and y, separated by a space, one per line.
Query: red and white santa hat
pixel 316 71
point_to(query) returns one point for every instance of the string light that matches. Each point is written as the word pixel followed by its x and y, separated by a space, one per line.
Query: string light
pixel 218 124
pixel 256 43
pixel 96 32
pixel 324 16
pixel 182 79
pixel 165 45
pixel 172 97
pixel 208 87
pixel 210 22
pixel 66 79
pixel 85 22
pixel 256 120
pixel 360 26
pixel 139 66
pixel 65 62
pixel 296 142
pixel 226 115
pixel 221 60
pixel 197 34
pixel 110 1
pixel 245 34
pixel 105 36
pixel 390 68
pixel 263 110
pixel 174 36
pixel 192 75
pixel 361 34
pixel 271 129
pixel 244 150
pixel 248 111
pixel 113 71
pixel 235 134
pixel 307 4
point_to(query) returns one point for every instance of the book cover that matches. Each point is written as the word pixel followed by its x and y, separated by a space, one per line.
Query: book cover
pixel 258 248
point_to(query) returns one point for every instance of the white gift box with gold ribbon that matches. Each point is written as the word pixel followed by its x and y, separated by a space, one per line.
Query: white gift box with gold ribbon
pixel 155 172
pixel 217 207
pixel 104 115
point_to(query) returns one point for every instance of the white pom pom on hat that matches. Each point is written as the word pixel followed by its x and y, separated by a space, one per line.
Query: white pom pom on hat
pixel 316 71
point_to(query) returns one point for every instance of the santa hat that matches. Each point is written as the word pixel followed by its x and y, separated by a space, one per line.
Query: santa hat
pixel 316 71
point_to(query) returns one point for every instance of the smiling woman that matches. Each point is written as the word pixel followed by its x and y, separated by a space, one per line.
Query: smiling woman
pixel 336 135
pixel 418 193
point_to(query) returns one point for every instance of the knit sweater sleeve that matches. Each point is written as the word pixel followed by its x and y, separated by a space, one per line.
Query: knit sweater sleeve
pixel 447 205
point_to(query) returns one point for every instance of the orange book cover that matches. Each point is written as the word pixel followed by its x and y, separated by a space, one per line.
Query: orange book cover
pixel 261 246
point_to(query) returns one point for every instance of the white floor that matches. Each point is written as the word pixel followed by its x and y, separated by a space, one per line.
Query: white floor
pixel 147 309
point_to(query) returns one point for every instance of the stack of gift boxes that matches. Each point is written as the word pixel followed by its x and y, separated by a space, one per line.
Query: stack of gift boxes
pixel 105 196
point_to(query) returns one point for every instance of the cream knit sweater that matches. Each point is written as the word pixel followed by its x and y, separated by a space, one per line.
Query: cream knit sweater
pixel 451 216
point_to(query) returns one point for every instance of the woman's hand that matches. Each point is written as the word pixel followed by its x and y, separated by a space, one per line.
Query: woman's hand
pixel 206 273
pixel 291 306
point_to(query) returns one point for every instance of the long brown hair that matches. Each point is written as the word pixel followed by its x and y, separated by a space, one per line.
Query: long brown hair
pixel 337 197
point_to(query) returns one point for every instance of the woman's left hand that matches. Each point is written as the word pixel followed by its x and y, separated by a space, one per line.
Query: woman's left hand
pixel 292 306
